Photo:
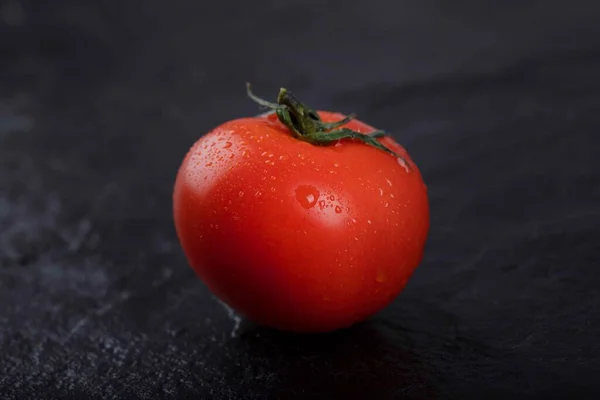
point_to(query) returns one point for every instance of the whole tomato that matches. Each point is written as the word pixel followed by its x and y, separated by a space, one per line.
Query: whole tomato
pixel 300 220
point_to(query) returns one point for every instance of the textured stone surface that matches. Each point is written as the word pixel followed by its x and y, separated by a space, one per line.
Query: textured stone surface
pixel 499 105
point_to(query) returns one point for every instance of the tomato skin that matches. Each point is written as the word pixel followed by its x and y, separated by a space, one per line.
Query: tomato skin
pixel 295 236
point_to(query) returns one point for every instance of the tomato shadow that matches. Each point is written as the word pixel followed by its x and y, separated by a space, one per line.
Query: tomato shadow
pixel 358 362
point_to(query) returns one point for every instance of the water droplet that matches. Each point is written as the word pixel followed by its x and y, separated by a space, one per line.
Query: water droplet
pixel 264 153
pixel 258 194
pixel 380 191
pixel 332 197
pixel 338 209
pixel 354 220
pixel 403 164
pixel 241 194
pixel 321 204
pixel 227 145
pixel 336 165
pixel 369 222
pixel 356 238
pixel 386 204
pixel 388 182
pixel 391 195
pixel 380 276
pixel 307 196
pixel 282 158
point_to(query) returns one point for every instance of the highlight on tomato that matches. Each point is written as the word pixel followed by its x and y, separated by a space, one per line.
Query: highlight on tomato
pixel 301 220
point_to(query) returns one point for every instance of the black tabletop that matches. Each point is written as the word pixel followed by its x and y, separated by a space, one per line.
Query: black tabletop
pixel 498 104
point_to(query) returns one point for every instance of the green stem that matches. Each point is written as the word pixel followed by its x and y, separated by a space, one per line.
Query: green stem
pixel 306 124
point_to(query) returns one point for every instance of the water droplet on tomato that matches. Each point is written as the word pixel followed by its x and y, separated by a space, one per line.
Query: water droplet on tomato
pixel 338 209
pixel 227 145
pixel 403 164
pixel 380 191
pixel 241 194
pixel 369 222
pixel 321 204
pixel 388 182
pixel 307 196
pixel 380 276
pixel 332 197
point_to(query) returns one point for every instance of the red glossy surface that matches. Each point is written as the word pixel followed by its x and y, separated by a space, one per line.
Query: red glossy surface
pixel 296 236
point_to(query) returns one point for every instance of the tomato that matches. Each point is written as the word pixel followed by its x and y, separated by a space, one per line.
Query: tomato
pixel 295 230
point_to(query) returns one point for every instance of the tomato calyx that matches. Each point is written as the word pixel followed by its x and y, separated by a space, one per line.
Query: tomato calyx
pixel 306 124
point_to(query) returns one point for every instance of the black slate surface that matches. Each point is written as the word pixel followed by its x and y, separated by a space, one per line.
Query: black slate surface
pixel 498 103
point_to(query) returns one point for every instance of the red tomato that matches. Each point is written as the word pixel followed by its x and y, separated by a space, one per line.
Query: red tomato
pixel 297 236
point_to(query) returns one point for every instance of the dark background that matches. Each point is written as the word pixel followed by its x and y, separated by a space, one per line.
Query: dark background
pixel 497 102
